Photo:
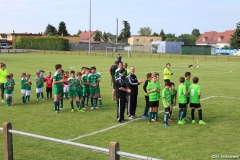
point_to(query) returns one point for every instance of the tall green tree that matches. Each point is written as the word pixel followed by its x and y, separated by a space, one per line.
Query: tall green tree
pixel 125 32
pixel 163 35
pixel 111 36
pixel 145 31
pixel 235 40
pixel 62 29
pixel 105 36
pixel 97 36
pixel 188 39
pixel 170 37
pixel 195 32
pixel 155 34
pixel 50 30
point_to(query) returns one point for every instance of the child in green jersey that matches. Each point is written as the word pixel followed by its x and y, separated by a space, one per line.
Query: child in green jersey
pixel 182 100
pixel 73 92
pixel 38 83
pixel 42 83
pixel 173 100
pixel 23 87
pixel 153 90
pixel 146 109
pixel 93 83
pixel 166 100
pixel 13 84
pixel 80 92
pixel 8 90
pixel 187 83
pixel 28 87
pixel 195 93
pixel 85 86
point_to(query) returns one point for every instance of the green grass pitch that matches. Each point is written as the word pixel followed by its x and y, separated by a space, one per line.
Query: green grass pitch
pixel 219 82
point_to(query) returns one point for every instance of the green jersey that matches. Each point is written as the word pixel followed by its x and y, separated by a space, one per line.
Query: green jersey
pixel 29 86
pixel 72 82
pixel 84 80
pixel 92 78
pixel 98 76
pixel 174 93
pixel 6 87
pixel 194 89
pixel 38 82
pixel 23 81
pixel 78 85
pixel 182 98
pixel 153 96
pixel 57 77
pixel 118 71
pixel 12 83
pixel 187 84
pixel 166 94
pixel 42 80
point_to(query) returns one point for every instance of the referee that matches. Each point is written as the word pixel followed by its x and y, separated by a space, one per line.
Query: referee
pixel 132 83
pixel 121 92
pixel 167 73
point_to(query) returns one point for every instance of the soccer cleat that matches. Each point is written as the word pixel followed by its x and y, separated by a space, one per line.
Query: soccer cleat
pixel 92 108
pixel 84 109
pixel 102 105
pixel 180 122
pixel 170 120
pixel 72 110
pixel 153 120
pixel 130 117
pixel 157 122
pixel 166 125
pixel 3 100
pixel 97 108
pixel 193 121
pixel 183 120
pixel 144 116
pixel 149 122
pixel 80 110
pixel 55 111
pixel 201 122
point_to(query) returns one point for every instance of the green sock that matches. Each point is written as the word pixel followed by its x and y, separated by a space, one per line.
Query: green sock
pixel 92 101
pixel 55 106
pixel 179 114
pixel 150 116
pixel 100 101
pixel 23 99
pixel 66 96
pixel 61 103
pixel 7 102
pixel 166 115
pixel 96 100
pixel 86 99
pixel 38 95
pixel 185 113
pixel 78 105
pixel 156 116
pixel 71 102
pixel 58 109
pixel 82 104
pixel 29 98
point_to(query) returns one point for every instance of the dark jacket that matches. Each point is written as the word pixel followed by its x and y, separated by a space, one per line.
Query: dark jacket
pixel 132 83
pixel 120 82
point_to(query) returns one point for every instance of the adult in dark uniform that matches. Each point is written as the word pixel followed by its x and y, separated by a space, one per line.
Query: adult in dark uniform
pixel 112 70
pixel 121 92
pixel 132 83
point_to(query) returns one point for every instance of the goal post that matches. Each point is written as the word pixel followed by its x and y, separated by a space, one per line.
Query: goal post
pixel 110 51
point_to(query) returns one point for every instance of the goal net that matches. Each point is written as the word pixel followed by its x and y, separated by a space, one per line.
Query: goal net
pixel 114 51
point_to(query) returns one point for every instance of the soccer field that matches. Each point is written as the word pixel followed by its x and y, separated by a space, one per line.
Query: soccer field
pixel 219 81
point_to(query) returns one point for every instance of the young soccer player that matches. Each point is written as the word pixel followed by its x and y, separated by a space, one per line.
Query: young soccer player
pixel 98 94
pixel 93 83
pixel 28 87
pixel 23 87
pixel 167 73
pixel 167 99
pixel 41 76
pixel 146 109
pixel 85 87
pixel 38 82
pixel 182 100
pixel 73 92
pixel 61 92
pixel 195 94
pixel 173 100
pixel 187 83
pixel 49 81
pixel 80 92
pixel 8 90
pixel 57 81
pixel 13 84
pixel 66 86
pixel 197 62
pixel 153 90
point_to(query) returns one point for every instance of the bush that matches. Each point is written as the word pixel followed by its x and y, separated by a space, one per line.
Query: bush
pixel 49 43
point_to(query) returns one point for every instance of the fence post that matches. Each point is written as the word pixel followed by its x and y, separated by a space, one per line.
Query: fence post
pixel 205 58
pixel 7 141
pixel 113 148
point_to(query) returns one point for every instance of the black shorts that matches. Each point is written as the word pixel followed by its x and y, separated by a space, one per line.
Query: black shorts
pixel 167 109
pixel 48 89
pixel 153 103
pixel 195 105
pixel 188 100
pixel 182 105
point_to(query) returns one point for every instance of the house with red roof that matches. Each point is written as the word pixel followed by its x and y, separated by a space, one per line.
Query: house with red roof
pixel 84 37
pixel 216 39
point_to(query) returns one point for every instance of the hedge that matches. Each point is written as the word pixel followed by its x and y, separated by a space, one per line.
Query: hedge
pixel 47 43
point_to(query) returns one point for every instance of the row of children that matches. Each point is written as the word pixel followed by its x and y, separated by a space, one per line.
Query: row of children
pixel 186 93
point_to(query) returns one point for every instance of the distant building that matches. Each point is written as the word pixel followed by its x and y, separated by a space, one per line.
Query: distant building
pixel 216 39
pixel 136 40
pixel 167 47
pixel 84 37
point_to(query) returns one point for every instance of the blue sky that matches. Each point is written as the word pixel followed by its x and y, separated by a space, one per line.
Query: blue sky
pixel 173 16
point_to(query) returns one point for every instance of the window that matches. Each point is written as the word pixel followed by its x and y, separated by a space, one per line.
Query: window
pixel 151 40
pixel 219 39
pixel 137 40
pixel 204 39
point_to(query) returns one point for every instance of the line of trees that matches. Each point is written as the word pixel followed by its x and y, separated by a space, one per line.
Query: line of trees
pixel 62 30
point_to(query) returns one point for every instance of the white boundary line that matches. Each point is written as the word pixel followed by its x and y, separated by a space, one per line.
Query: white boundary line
pixel 118 125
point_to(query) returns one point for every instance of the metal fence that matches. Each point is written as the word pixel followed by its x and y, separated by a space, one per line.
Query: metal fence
pixel 94 46
pixel 113 150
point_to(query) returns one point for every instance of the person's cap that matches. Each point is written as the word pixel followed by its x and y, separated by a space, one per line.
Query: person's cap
pixel 42 71
pixel 37 73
